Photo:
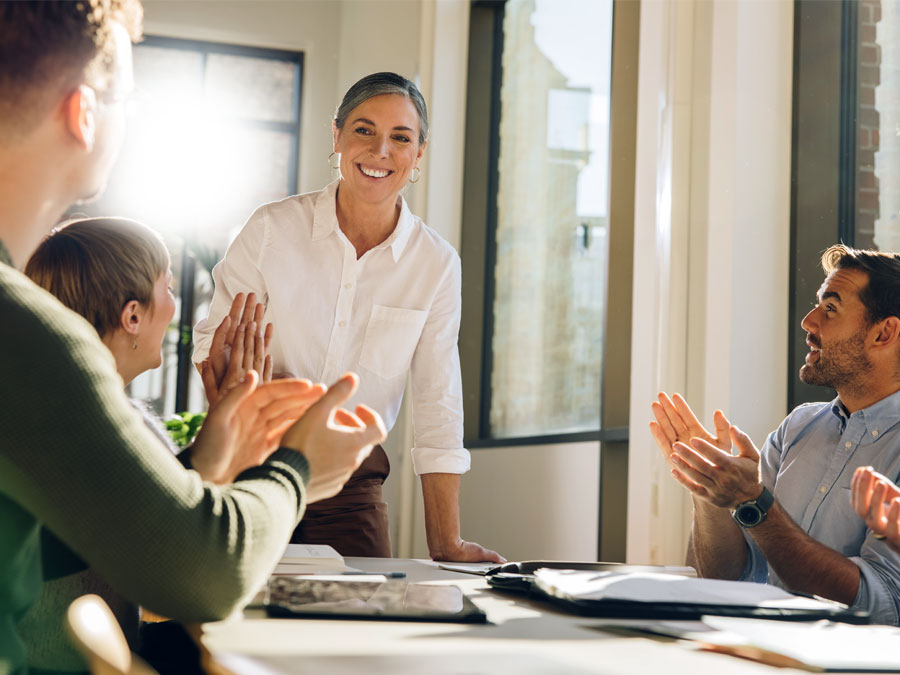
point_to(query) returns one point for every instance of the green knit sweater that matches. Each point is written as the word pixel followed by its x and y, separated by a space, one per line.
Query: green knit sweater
pixel 75 455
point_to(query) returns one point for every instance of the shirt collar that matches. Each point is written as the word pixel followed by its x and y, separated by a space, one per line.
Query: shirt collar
pixel 5 257
pixel 325 221
pixel 884 413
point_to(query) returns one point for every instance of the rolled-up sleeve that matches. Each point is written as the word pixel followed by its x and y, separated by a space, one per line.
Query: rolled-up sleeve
pixel 238 272
pixel 757 567
pixel 437 382
pixel 879 581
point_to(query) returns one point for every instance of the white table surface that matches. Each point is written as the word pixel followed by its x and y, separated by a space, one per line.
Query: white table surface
pixel 522 638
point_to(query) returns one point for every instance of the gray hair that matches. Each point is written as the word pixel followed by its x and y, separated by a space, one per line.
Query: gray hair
pixel 378 84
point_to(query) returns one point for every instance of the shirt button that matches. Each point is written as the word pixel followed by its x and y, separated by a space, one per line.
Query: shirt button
pixel 342 324
pixel 348 286
pixel 823 489
pixel 848 444
pixel 874 432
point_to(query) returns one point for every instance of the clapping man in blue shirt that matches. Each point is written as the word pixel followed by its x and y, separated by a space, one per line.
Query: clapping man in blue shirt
pixel 783 515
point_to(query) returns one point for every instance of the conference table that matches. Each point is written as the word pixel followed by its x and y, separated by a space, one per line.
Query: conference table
pixel 523 637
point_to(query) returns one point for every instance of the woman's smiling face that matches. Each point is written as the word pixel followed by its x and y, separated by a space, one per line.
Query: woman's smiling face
pixel 379 147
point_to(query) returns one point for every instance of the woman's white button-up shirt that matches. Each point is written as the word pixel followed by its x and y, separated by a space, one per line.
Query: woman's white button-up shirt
pixel 394 311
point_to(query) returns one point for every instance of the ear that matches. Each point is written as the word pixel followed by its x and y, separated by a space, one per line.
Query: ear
pixel 422 149
pixel 79 110
pixel 337 135
pixel 132 317
pixel 887 332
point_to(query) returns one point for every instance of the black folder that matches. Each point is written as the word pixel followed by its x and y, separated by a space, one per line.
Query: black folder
pixel 524 582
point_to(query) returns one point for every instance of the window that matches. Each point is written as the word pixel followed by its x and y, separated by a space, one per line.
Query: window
pixel 545 207
pixel 215 133
pixel 846 161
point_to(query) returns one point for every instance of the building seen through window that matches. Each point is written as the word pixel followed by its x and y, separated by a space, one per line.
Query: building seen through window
pixel 551 218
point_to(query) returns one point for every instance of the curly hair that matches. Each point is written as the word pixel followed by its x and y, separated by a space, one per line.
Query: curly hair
pixel 48 47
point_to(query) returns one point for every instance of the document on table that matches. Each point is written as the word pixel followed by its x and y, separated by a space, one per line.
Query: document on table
pixel 310 559
pixel 653 588
pixel 824 645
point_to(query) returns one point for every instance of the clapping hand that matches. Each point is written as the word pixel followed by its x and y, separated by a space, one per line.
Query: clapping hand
pixel 247 424
pixel 239 345
pixel 333 440
pixel 703 462
pixel 675 421
pixel 877 501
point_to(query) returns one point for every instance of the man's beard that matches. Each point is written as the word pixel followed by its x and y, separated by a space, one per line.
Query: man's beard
pixel 842 364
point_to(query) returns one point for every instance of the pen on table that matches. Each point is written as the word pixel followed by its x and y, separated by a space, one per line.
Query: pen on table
pixel 389 575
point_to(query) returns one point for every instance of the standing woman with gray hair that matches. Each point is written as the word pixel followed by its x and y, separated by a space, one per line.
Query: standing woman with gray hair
pixel 352 280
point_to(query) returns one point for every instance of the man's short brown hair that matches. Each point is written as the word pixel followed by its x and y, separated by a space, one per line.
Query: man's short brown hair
pixel 48 47
pixel 881 296
pixel 95 266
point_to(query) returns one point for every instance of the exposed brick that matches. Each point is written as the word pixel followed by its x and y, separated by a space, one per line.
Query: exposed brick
pixel 865 159
pixel 867 33
pixel 865 180
pixel 868 76
pixel 865 14
pixel 869 55
pixel 863 139
pixel 876 139
pixel 876 11
pixel 867 200
pixel 868 116
pixel 866 95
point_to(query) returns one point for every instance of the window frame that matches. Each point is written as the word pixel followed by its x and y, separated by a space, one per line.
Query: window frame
pixel 823 192
pixel 479 249
pixel 184 366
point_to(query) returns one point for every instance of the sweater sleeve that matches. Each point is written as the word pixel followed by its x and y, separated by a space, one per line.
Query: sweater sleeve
pixel 76 455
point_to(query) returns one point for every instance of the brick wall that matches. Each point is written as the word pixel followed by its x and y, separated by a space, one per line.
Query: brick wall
pixel 868 122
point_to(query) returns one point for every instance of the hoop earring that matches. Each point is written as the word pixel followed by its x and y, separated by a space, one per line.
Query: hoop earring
pixel 417 173
pixel 334 154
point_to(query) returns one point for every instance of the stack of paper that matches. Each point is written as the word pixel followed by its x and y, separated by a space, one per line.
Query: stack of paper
pixel 668 588
pixel 310 559
pixel 821 644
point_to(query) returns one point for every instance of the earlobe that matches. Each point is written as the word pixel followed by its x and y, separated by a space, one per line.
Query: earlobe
pixel 80 109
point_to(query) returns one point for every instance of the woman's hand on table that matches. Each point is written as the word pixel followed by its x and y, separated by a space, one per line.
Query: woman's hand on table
pixel 247 425
pixel 465 551
pixel 238 346
pixel 333 440
pixel 440 493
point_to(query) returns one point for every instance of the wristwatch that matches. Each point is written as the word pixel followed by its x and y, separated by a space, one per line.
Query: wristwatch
pixel 752 513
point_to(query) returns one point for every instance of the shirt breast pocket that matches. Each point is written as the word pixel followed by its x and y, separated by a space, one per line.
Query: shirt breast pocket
pixel 391 338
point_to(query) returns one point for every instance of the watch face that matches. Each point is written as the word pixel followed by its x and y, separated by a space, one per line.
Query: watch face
pixel 748 515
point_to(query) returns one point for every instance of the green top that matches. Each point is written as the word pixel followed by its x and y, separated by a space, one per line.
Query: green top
pixel 76 456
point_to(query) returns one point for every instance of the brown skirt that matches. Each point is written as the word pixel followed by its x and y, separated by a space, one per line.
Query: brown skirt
pixel 354 521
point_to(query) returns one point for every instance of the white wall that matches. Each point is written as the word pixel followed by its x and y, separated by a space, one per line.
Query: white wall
pixel 537 502
pixel 712 220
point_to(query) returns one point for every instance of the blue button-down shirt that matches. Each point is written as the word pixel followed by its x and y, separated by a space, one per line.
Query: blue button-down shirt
pixel 808 463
